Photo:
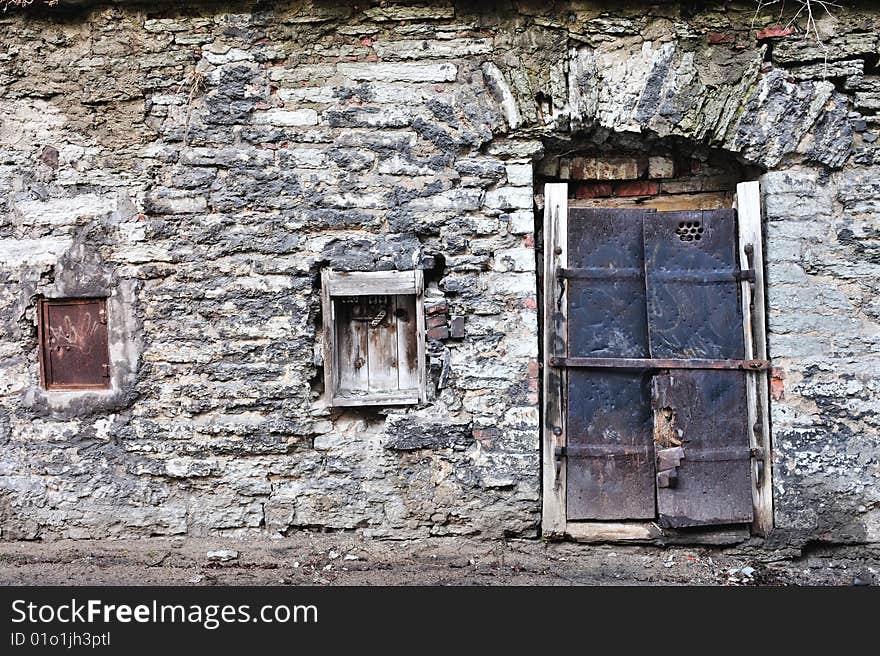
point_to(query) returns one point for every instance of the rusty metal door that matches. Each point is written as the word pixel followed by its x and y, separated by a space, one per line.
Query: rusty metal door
pixel 655 398
pixel 700 416
pixel 609 473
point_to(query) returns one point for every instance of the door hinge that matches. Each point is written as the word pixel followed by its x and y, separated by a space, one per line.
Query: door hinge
pixel 558 454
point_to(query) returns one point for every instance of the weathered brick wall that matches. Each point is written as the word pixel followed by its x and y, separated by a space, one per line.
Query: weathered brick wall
pixel 204 163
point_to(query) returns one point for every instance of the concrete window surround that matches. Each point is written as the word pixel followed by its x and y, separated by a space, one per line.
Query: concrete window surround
pixel 80 273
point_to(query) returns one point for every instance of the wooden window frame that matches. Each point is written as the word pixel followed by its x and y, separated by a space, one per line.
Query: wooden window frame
pixel 554 523
pixel 43 305
pixel 358 283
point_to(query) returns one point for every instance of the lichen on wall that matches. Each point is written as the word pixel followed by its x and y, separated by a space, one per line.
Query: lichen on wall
pixel 212 159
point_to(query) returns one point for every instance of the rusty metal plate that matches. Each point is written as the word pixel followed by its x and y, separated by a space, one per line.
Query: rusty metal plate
pixel 702 446
pixel 700 416
pixel 692 285
pixel 74 346
pixel 606 291
pixel 609 470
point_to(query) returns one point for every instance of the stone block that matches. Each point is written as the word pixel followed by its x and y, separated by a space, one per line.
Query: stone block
pixel 660 167
pixel 286 117
pixel 606 168
pixel 399 72
pixel 510 198
pixel 514 259
pixel 519 174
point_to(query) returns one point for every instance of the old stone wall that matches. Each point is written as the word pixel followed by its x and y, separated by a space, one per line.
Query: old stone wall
pixel 201 164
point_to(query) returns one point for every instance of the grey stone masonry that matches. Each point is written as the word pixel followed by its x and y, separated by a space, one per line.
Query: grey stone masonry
pixel 201 163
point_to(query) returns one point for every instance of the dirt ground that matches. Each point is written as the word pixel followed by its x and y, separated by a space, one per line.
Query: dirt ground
pixel 343 559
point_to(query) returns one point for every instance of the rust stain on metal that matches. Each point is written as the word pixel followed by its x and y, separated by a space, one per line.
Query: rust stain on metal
pixel 74 351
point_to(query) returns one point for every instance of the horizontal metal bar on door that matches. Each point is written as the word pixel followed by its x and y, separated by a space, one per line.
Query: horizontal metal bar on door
pixel 659 363
pixel 717 454
pixel 623 273
pixel 692 453
pixel 601 273
pixel 603 451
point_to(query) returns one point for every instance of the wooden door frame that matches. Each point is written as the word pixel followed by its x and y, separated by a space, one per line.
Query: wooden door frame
pixel 554 523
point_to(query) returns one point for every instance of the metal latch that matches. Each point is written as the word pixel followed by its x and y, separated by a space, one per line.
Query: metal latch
pixel 668 462
pixel 558 454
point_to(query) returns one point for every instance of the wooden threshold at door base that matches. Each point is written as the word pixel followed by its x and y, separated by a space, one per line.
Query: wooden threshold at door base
pixel 650 532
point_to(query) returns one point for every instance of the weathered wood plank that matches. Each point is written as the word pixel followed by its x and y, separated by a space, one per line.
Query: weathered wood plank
pixel 382 363
pixel 650 533
pixel 396 397
pixel 407 342
pixel 352 348
pixel 720 536
pixel 420 334
pixel 612 531
pixel 748 203
pixel 359 283
pixel 553 434
pixel 666 203
pixel 331 379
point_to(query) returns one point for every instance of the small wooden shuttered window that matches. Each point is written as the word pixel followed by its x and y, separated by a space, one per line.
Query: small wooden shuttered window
pixel 74 353
pixel 649 393
pixel 374 327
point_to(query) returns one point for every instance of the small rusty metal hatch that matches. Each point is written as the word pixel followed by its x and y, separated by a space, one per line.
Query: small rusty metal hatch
pixel 702 448
pixel 74 352
pixel 655 404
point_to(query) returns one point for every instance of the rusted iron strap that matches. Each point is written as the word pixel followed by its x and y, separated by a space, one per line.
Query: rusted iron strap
pixel 692 453
pixel 659 363
pixel 704 277
pixel 602 451
pixel 695 277
pixel 600 273
pixel 717 454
